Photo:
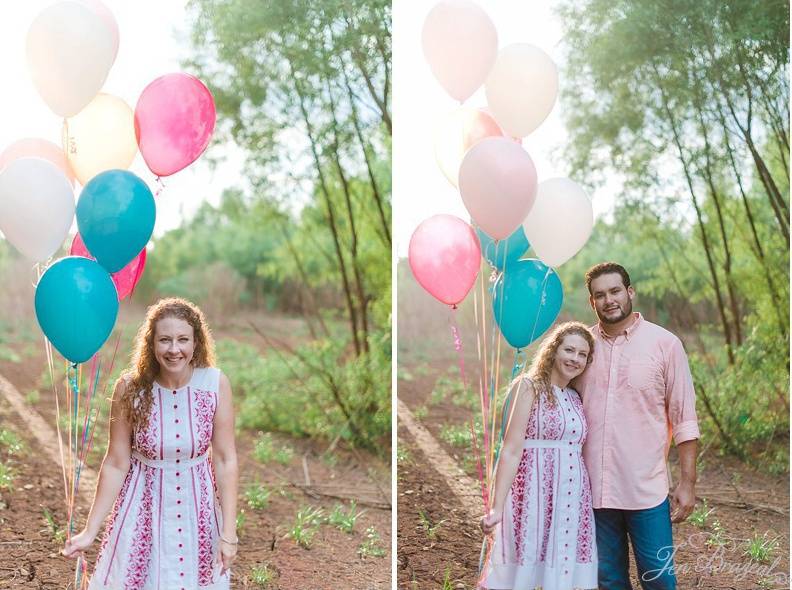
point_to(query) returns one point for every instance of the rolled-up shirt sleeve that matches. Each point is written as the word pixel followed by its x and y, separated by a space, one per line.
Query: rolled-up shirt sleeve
pixel 680 395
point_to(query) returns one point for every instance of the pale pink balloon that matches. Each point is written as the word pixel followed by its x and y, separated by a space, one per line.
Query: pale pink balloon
pixel 444 256
pixel 478 126
pixel 174 120
pixel 497 181
pixel 125 279
pixel 461 44
pixel 33 147
pixel 109 19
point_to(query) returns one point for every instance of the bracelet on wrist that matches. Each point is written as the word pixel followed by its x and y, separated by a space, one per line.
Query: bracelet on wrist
pixel 235 542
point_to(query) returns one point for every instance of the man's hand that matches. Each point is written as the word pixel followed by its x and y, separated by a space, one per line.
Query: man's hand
pixel 683 500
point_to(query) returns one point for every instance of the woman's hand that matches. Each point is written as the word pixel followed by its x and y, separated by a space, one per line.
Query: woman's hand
pixel 228 552
pixel 75 546
pixel 489 521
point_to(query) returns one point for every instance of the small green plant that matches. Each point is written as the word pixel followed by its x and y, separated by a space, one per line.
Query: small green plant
pixel 8 354
pixel 404 375
pixel 429 528
pixel 447 583
pixel 10 442
pixel 264 451
pixel 718 536
pixel 421 412
pixel 57 533
pixel 422 370
pixel 344 519
pixel 241 520
pixel 306 524
pixel 330 459
pixel 7 476
pixel 456 436
pixel 761 548
pixel 371 547
pixel 284 455
pixel 257 496
pixel 262 575
pixel 699 516
pixel 32 397
pixel 403 455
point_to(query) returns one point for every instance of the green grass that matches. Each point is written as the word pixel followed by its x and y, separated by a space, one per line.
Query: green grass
pixel 428 526
pixel 421 412
pixel 257 496
pixel 306 524
pixel 7 476
pixel 241 520
pixel 372 546
pixel 10 442
pixel 344 519
pixel 456 436
pixel 718 536
pixel 699 516
pixel 403 456
pixel 266 452
pixel 56 532
pixel 262 575
pixel 32 397
pixel 8 354
pixel 447 583
pixel 761 548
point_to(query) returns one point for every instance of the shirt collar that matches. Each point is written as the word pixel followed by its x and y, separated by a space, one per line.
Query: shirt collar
pixel 627 333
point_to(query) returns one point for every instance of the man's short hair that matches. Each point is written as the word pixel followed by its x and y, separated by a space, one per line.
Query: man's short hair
pixel 604 268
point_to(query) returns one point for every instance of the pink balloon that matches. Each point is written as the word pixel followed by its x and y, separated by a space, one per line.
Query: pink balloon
pixel 479 125
pixel 497 181
pixel 126 278
pixel 174 120
pixel 444 256
pixel 33 147
pixel 106 15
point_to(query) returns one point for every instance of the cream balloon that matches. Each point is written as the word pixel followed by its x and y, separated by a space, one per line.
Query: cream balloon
pixel 69 54
pixel 109 19
pixel 522 88
pixel 34 147
pixel 560 221
pixel 457 133
pixel 460 43
pixel 36 207
pixel 100 137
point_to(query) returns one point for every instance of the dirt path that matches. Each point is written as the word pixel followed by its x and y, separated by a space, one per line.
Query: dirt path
pixel 312 478
pixel 439 543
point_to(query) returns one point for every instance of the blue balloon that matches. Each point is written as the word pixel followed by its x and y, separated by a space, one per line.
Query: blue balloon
pixel 526 302
pixel 115 216
pixel 76 307
pixel 504 252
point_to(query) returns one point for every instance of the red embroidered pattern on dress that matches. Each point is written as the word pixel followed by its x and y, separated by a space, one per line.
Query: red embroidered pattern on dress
pixel 548 474
pixel 140 549
pixel 204 414
pixel 114 514
pixel 585 525
pixel 205 569
pixel 552 420
pixel 521 481
pixel 147 441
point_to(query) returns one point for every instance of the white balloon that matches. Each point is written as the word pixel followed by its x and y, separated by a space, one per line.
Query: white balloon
pixel 522 88
pixel 460 43
pixel 560 221
pixel 36 207
pixel 69 53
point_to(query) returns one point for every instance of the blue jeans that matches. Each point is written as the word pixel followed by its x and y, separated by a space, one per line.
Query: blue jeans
pixel 649 531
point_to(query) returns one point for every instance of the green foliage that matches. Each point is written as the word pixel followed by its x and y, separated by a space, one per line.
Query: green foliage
pixel 306 524
pixel 372 546
pixel 265 451
pixel 263 575
pixel 57 533
pixel 344 519
pixel 698 517
pixel 761 548
pixel 459 436
pixel 10 442
pixel 7 476
pixel 428 526
pixel 257 496
pixel 316 390
pixel 717 537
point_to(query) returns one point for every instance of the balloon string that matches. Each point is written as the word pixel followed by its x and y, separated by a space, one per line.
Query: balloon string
pixel 452 320
pixel 160 187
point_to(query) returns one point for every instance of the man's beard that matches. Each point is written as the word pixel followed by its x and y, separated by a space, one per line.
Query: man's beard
pixel 625 313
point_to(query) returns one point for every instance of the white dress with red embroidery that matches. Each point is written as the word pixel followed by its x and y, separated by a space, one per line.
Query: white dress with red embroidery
pixel 163 532
pixel 546 538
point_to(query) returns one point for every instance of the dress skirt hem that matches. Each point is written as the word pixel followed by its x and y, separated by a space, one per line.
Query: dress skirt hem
pixel 530 576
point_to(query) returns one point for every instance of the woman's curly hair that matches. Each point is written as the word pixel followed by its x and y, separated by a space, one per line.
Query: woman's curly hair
pixel 542 365
pixel 139 378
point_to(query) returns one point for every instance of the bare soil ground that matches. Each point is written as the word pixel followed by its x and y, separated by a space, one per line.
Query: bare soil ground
pixel 439 545
pixel 29 549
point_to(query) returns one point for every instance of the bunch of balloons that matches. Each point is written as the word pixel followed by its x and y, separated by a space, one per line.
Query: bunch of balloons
pixel 71 46
pixel 479 150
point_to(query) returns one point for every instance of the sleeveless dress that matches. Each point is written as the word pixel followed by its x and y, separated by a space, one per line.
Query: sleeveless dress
pixel 163 532
pixel 546 538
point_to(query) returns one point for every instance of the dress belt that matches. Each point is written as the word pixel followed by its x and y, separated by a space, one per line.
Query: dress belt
pixel 531 443
pixel 169 463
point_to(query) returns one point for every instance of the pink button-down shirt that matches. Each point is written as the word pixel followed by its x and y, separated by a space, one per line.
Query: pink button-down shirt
pixel 636 394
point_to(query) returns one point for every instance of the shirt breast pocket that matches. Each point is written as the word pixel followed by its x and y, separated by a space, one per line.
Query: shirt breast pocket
pixel 643 375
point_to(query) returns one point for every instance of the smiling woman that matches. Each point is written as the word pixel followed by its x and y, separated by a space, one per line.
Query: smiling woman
pixel 169 408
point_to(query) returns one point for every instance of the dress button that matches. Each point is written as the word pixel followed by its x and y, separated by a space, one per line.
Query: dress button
pixel 181 558
pixel 175 406
pixel 176 420
pixel 181 574
pixel 181 545
pixel 179 461
pixel 177 474
pixel 179 502
pixel 180 530
pixel 178 488
pixel 178 436
pixel 178 450
pixel 178 516
pixel 174 391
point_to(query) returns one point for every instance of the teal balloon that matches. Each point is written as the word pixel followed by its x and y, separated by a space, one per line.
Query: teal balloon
pixel 76 307
pixel 526 301
pixel 115 216
pixel 503 253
